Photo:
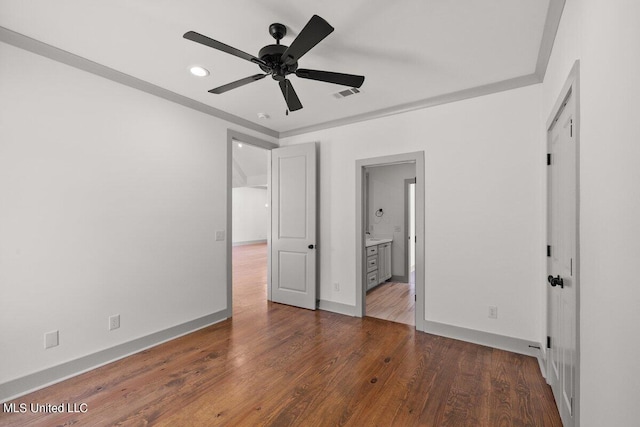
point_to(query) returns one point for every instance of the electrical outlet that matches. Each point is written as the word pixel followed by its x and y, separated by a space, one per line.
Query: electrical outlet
pixel 493 312
pixel 114 322
pixel 51 339
pixel 219 235
pixel 336 287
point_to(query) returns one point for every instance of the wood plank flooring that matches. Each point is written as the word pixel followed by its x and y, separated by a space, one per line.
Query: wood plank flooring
pixel 393 301
pixel 276 365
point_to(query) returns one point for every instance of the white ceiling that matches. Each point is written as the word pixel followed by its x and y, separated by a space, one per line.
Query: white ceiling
pixel 410 51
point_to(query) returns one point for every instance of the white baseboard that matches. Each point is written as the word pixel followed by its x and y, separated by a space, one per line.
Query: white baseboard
pixel 542 361
pixel 29 383
pixel 337 307
pixel 32 382
pixel 502 342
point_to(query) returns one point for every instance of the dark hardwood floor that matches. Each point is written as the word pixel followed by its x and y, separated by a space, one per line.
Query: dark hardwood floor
pixel 277 365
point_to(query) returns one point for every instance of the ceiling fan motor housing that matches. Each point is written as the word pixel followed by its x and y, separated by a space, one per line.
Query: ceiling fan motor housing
pixel 272 55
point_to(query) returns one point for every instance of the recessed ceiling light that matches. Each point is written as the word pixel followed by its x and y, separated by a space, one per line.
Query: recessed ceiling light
pixel 199 71
pixel 263 116
pixel 239 145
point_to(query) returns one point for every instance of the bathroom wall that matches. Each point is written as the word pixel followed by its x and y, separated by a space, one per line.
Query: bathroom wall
pixel 387 192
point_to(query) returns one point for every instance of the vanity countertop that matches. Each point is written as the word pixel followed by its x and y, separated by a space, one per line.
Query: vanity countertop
pixel 372 241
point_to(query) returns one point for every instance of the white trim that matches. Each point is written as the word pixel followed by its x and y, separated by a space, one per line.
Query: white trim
pixel 502 342
pixel 474 92
pixel 551 25
pixel 337 307
pixel 542 362
pixel 38 380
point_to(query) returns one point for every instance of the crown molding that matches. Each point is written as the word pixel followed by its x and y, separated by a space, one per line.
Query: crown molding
pixel 554 14
pixel 40 48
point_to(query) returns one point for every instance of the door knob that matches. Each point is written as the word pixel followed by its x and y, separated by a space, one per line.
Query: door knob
pixel 556 281
pixel 311 246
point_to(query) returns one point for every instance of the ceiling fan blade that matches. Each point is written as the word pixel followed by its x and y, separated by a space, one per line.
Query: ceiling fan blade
pixel 312 34
pixel 238 83
pixel 199 38
pixel 331 77
pixel 290 96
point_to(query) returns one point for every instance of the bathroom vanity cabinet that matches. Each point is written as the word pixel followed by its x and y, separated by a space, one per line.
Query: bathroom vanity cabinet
pixel 378 262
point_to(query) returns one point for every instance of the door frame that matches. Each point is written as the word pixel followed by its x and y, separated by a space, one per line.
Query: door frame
pixel 407 218
pixel 570 88
pixel 417 158
pixel 235 136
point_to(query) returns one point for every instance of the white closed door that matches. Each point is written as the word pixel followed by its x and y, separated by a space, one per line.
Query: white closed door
pixel 293 227
pixel 561 266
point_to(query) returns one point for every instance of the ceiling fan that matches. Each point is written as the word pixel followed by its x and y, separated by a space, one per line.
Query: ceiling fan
pixel 279 61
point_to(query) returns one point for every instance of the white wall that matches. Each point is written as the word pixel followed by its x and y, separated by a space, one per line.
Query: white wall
pixel 109 203
pixel 387 192
pixel 604 36
pixel 483 207
pixel 250 214
pixel 109 199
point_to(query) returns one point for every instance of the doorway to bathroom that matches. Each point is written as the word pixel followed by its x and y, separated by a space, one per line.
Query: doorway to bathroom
pixel 390 238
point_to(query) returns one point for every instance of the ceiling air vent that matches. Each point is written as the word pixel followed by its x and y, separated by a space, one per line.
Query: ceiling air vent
pixel 345 93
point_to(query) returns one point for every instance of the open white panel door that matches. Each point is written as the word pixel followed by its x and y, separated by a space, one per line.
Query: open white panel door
pixel 562 291
pixel 293 225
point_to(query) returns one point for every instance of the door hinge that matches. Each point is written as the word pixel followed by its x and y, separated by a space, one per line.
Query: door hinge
pixel 548 341
pixel 415 298
pixel 548 159
pixel 548 250
pixel 571 129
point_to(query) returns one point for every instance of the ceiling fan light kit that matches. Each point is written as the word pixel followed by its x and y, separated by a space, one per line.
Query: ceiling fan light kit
pixel 278 61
